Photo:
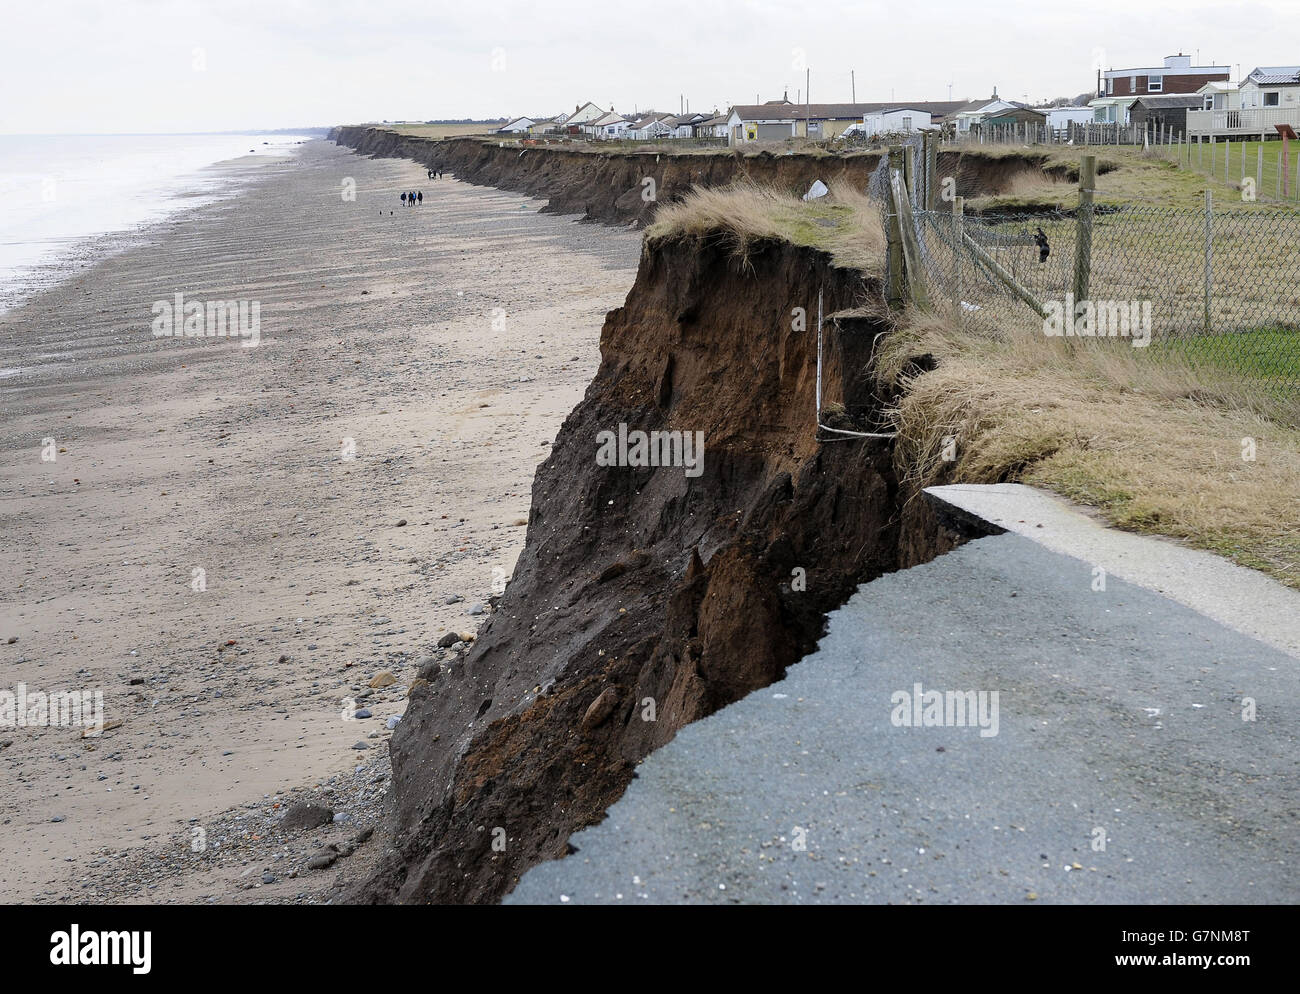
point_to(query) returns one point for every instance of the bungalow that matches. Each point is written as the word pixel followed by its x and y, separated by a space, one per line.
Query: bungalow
pixel 714 127
pixel 545 127
pixel 684 125
pixel 608 125
pixel 581 115
pixel 650 126
pixel 517 126
pixel 1061 118
pixel 895 120
pixel 780 119
pixel 1268 96
pixel 1111 110
pixel 978 111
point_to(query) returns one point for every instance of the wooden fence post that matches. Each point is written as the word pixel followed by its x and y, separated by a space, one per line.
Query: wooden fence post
pixel 931 171
pixel 1083 230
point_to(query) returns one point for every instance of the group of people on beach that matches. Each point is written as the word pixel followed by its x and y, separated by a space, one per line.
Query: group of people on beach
pixel 414 198
pixel 435 173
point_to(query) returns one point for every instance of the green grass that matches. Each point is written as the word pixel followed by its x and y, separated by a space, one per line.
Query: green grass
pixel 1265 354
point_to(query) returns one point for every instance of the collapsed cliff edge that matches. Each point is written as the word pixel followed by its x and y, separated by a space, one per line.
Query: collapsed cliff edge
pixel 646 597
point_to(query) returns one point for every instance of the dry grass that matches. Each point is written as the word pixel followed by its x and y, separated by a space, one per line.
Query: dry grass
pixel 846 223
pixel 1154 446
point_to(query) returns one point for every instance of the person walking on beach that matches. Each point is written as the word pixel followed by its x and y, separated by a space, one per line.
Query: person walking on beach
pixel 419 197
pixel 430 174
pixel 403 198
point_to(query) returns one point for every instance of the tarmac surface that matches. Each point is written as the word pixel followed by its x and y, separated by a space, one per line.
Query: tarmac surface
pixel 1143 753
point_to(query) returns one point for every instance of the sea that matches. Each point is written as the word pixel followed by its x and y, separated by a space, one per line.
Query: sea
pixel 67 196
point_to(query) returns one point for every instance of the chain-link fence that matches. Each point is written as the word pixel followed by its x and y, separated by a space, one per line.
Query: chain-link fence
pixel 1217 288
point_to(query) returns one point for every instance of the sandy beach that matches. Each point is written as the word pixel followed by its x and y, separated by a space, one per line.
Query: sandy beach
pixel 232 543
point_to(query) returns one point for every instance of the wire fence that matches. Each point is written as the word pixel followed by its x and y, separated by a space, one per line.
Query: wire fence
pixel 1220 289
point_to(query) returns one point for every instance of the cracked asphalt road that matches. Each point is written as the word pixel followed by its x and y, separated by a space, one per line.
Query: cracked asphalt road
pixel 1123 769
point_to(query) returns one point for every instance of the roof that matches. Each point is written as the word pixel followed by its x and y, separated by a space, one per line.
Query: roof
pixel 1271 75
pixel 1164 101
pixel 776 111
pixel 1167 71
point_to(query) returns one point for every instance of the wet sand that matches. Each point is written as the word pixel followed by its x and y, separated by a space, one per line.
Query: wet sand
pixel 438 347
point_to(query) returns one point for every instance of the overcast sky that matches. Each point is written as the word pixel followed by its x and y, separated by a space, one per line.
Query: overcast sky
pixel 197 65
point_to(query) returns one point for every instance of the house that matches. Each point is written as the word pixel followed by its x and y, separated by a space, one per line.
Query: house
pixel 1164 112
pixel 1177 75
pixel 1111 110
pixel 546 127
pixel 978 111
pixel 1220 95
pixel 650 126
pixel 895 120
pixel 582 115
pixel 1016 116
pixel 517 126
pixel 1061 118
pixel 608 125
pixel 1267 97
pixel 713 127
pixel 1271 86
pixel 684 125
pixel 780 119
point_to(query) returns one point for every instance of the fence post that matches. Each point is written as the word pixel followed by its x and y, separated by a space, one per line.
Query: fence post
pixel 958 229
pixel 1209 259
pixel 1083 230
pixel 893 231
pixel 1259 170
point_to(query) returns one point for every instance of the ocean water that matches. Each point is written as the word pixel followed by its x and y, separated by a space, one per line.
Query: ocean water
pixel 57 192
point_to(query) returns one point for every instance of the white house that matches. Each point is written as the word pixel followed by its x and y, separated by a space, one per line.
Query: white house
pixel 1060 118
pixel 895 120
pixel 518 125
pixel 1111 110
pixel 651 126
pixel 583 114
pixel 1267 97
pixel 1271 86
pixel 979 111
pixel 608 125
pixel 772 121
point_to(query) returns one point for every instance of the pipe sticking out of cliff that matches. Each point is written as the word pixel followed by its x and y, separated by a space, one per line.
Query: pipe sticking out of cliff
pixel 836 431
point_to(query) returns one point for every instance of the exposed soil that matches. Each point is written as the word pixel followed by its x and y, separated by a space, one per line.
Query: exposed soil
pixel 613 188
pixel 645 599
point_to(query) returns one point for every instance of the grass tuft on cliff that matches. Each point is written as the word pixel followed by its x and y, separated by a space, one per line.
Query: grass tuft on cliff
pixel 1153 444
pixel 846 223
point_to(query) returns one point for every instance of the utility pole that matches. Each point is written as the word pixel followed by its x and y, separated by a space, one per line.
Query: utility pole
pixel 853 85
pixel 807 107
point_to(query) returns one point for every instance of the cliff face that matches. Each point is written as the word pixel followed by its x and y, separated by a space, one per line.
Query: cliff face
pixel 612 187
pixel 646 598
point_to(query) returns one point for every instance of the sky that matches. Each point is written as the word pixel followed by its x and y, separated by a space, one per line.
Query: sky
pixel 130 66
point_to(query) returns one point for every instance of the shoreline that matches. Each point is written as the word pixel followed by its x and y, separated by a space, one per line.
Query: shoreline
pixel 64 256
pixel 320 572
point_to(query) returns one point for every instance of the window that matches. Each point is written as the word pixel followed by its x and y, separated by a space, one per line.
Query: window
pixel 907 124
pixel 1132 84
pixel 1270 98
pixel 1110 84
pixel 1155 84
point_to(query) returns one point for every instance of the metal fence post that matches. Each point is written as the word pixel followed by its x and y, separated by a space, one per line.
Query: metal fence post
pixel 1209 259
pixel 958 229
pixel 1083 229
pixel 894 293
